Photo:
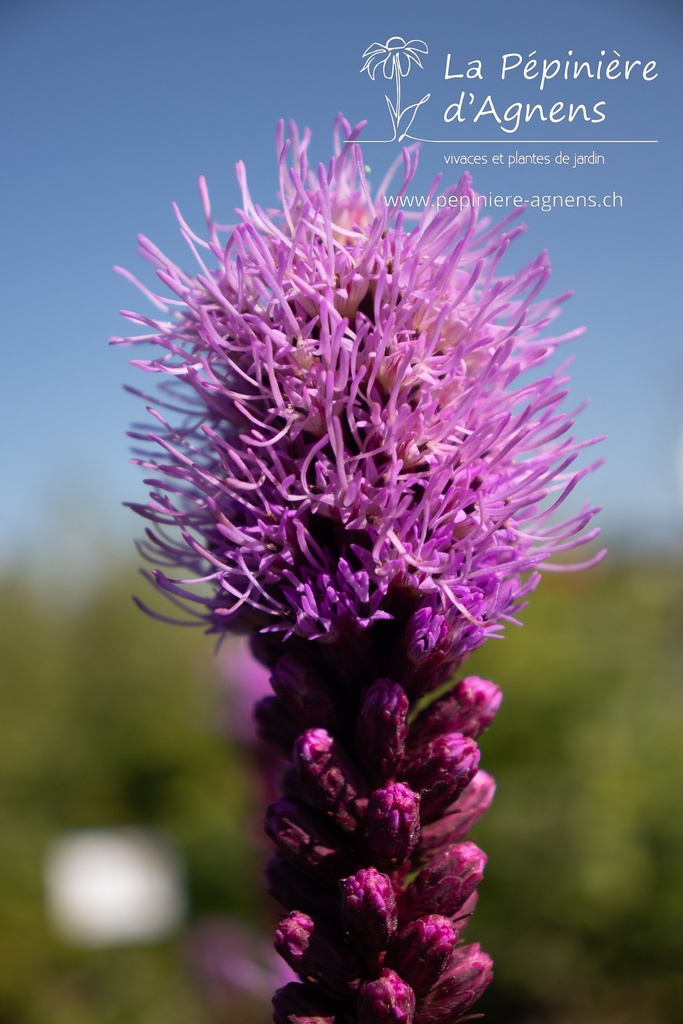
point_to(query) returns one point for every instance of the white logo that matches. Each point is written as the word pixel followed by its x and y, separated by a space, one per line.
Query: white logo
pixel 395 58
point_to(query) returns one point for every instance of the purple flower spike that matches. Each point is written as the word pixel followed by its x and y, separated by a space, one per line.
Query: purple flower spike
pixel 393 825
pixel 382 728
pixel 346 413
pixel 468 975
pixel 422 951
pixel 444 885
pixel 386 1000
pixel 441 770
pixel 369 913
pixel 355 458
pixel 330 777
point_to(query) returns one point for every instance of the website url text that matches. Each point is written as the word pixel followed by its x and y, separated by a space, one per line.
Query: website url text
pixel 545 203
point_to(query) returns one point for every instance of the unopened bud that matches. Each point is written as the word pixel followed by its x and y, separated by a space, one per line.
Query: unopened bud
pixel 382 729
pixel 385 1000
pixel 330 778
pixel 469 709
pixel 422 951
pixel 368 910
pixel 460 818
pixel 444 885
pixel 441 770
pixel 309 840
pixel 315 951
pixel 468 974
pixel 393 824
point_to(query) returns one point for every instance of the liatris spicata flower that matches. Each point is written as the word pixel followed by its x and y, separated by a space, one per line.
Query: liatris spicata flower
pixel 360 471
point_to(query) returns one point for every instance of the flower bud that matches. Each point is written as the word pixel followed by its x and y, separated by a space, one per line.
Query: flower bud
pixel 468 974
pixel 382 728
pixel 442 768
pixel 304 1004
pixel 385 1000
pixel 392 825
pixel 469 708
pixel 444 885
pixel 308 697
pixel 443 833
pixel 316 951
pixel 330 778
pixel 368 910
pixel 422 951
pixel 309 840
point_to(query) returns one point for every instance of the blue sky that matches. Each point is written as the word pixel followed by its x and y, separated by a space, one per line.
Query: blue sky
pixel 109 112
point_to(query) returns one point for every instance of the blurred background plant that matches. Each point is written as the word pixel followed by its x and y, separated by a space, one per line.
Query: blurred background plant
pixel 110 719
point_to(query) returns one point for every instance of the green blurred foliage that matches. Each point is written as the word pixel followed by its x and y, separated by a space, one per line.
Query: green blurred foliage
pixel 108 718
pixel 582 905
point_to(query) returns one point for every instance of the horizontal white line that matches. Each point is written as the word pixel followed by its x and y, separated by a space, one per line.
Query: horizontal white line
pixel 525 142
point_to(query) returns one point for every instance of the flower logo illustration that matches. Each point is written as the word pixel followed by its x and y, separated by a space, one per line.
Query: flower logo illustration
pixel 395 58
